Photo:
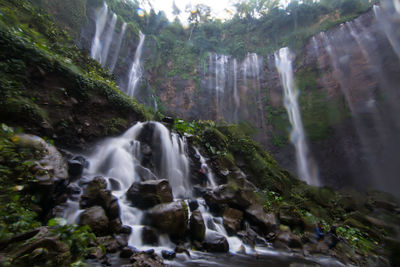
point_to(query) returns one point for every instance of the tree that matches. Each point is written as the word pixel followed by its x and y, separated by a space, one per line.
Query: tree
pixel 200 13
pixel 175 10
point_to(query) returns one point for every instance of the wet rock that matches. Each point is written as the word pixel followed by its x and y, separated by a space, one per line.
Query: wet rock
pixel 145 174
pixel 257 215
pixel 232 219
pixel 171 218
pixel 169 120
pixel 110 243
pixel 149 236
pixel 193 204
pixel 288 238
pixel 144 259
pixel 114 184
pixel 73 189
pixel 168 255
pixel 214 242
pixel 96 218
pixel 116 226
pixel 95 194
pixel 96 253
pixel 126 252
pixel 197 227
pixel 289 217
pixel 75 168
pixel 147 194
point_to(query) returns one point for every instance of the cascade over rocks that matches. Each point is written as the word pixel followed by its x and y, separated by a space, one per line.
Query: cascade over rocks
pixel 147 194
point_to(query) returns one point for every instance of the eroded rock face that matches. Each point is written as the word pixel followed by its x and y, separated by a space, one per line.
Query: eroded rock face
pixel 170 218
pixel 96 218
pixel 147 194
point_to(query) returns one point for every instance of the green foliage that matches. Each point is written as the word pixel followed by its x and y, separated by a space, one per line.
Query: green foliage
pixel 78 238
pixel 182 126
pixel 272 200
pixel 357 238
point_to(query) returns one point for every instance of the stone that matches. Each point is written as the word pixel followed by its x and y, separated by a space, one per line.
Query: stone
pixel 193 204
pixel 144 259
pixel 232 219
pixel 168 255
pixel 147 194
pixel 170 218
pixel 288 238
pixel 110 243
pixel 114 184
pixel 257 215
pixel 215 242
pixel 144 173
pixel 196 226
pixel 75 168
pixel 149 236
pixel 126 252
pixel 96 218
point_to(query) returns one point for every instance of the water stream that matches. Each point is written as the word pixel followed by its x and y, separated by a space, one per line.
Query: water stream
pixel 135 72
pixel 307 172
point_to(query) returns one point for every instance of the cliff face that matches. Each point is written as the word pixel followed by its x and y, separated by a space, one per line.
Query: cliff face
pixel 347 78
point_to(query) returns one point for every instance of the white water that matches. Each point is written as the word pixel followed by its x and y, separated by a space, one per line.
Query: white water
pixel 135 72
pixel 108 38
pixel 101 20
pixel 283 61
pixel 235 92
pixel 119 43
pixel 210 175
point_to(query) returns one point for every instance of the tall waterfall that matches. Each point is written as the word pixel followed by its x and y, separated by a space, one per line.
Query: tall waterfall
pixel 236 97
pixel 306 171
pixel 104 38
pixel 118 47
pixel 135 72
pixel 101 19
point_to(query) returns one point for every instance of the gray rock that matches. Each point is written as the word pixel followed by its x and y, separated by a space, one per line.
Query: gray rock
pixel 147 194
pixel 197 227
pixel 215 242
pixel 96 218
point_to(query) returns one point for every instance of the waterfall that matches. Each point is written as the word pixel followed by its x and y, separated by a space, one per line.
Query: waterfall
pixel 101 20
pixel 119 43
pixel 220 82
pixel 108 37
pixel 135 72
pixel 235 93
pixel 283 63
pixel 385 20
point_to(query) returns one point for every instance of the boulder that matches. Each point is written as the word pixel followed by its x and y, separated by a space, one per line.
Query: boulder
pixel 289 239
pixel 146 259
pixel 96 218
pixel 114 184
pixel 197 227
pixel 126 252
pixel 95 194
pixel 75 168
pixel 232 219
pixel 147 194
pixel 257 215
pixel 168 255
pixel 170 218
pixel 289 217
pixel 149 236
pixel 215 242
pixel 193 204
pixel 110 243
pixel 144 173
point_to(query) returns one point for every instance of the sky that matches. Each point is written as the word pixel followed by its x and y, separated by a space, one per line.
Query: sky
pixel 218 7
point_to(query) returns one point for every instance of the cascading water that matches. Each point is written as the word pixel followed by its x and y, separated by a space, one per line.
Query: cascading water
pixel 120 159
pixel 108 38
pixel 96 49
pixel 236 97
pixel 135 72
pixel 220 81
pixel 283 63
pixel 118 47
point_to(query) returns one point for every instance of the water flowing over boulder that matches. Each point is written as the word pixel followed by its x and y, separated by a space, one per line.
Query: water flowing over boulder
pixel 95 194
pixel 170 218
pixel 197 227
pixel 96 218
pixel 215 242
pixel 147 194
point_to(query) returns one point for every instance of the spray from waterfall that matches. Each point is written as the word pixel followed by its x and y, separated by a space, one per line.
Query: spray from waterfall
pixel 283 61
pixel 135 72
